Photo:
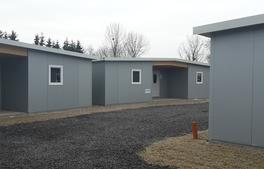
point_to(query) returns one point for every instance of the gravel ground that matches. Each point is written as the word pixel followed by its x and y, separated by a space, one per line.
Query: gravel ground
pixel 101 140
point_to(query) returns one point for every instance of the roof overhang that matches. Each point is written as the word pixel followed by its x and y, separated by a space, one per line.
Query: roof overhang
pixel 207 30
pixel 155 60
pixel 21 45
pixel 13 50
pixel 169 64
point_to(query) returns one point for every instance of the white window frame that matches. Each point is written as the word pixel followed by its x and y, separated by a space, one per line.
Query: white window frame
pixel 197 78
pixel 61 70
pixel 136 70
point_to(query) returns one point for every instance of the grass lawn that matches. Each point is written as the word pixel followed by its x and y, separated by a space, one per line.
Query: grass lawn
pixel 184 152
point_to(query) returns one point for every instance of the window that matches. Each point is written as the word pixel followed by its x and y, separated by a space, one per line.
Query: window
pixel 55 75
pixel 199 77
pixel 155 78
pixel 136 76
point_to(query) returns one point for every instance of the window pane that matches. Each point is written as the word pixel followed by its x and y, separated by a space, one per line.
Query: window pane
pixel 155 78
pixel 136 77
pixel 199 77
pixel 55 75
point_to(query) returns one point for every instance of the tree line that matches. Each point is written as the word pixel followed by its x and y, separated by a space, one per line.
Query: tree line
pixel 120 44
pixel 12 36
pixel 70 46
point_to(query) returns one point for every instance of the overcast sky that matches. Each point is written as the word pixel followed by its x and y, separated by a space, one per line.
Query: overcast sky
pixel 165 23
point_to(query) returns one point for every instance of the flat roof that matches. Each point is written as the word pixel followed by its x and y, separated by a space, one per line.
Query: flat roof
pixel 206 30
pixel 141 59
pixel 43 48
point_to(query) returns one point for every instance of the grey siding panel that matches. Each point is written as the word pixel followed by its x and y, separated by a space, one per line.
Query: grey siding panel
pixel 211 88
pixel 85 83
pixel 258 92
pixel 76 80
pixel 0 85
pixel 164 83
pixel 232 87
pixel 178 83
pixel 98 83
pixel 196 91
pixel 118 82
pixel 14 84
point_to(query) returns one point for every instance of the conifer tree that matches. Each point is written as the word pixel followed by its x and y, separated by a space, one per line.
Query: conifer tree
pixel 66 44
pixel 1 34
pixel 79 47
pixel 41 40
pixel 49 43
pixel 13 36
pixel 72 46
pixel 36 39
pixel 57 45
pixel 5 36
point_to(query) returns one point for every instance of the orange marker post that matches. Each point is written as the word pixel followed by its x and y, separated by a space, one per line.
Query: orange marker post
pixel 195 130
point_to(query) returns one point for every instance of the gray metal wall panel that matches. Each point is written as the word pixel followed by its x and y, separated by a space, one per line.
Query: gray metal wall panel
pixel 85 83
pixel 211 88
pixel 14 84
pixel 232 87
pixel 98 83
pixel 197 91
pixel 0 85
pixel 258 92
pixel 178 83
pixel 44 97
pixel 118 82
pixel 163 83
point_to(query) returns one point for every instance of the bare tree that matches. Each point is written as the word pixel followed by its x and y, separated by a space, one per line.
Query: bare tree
pixel 115 37
pixel 102 52
pixel 194 49
pixel 135 44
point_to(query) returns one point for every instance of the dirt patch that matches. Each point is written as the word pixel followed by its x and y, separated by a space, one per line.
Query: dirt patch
pixel 18 118
pixel 184 152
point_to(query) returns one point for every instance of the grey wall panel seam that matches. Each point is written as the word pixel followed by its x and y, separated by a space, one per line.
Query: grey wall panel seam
pixel 252 87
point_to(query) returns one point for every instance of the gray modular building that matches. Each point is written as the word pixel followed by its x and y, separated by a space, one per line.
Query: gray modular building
pixel 133 80
pixel 36 79
pixel 236 80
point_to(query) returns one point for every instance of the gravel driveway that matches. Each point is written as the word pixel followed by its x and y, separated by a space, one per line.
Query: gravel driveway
pixel 101 140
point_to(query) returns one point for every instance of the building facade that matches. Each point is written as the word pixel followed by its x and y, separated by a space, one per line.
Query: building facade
pixel 117 81
pixel 236 94
pixel 38 79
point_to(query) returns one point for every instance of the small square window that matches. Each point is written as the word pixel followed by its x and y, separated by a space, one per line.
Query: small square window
pixel 136 76
pixel 55 75
pixel 199 77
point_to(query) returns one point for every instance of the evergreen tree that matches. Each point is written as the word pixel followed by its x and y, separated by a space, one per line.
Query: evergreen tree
pixel 36 39
pixel 5 36
pixel 49 43
pixel 57 45
pixel 13 36
pixel 1 34
pixel 41 40
pixel 66 45
pixel 79 47
pixel 72 46
pixel 53 44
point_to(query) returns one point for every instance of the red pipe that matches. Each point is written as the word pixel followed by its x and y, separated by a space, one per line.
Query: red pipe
pixel 195 130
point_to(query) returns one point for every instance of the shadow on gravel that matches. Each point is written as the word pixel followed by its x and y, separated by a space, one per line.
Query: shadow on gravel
pixel 101 140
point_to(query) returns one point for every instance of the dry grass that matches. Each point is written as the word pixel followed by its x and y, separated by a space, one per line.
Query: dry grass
pixel 184 152
pixel 16 118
